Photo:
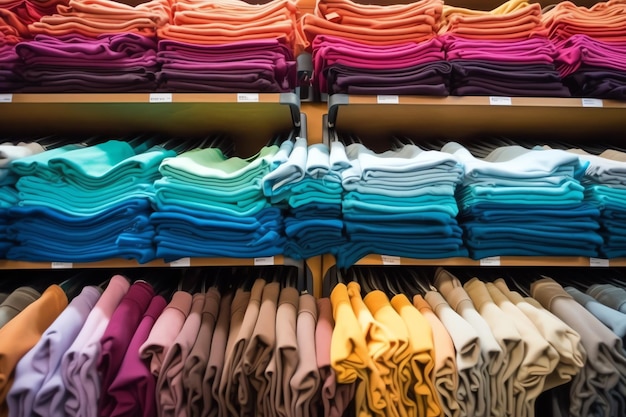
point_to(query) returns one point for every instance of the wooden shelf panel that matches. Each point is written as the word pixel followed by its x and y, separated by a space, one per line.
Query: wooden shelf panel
pixel 458 118
pixel 158 263
pixel 248 118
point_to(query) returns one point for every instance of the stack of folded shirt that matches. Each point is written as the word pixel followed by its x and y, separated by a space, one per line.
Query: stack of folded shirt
pixel 263 65
pixel 10 152
pixel 9 79
pixel 210 205
pixel 86 204
pixel 605 188
pixel 523 67
pixel 306 186
pixel 401 203
pixel 229 46
pixel 77 63
pixel 518 201
pixel 16 15
pixel 503 52
pixel 373 49
pixel 592 47
pixel 345 66
pixel 93 18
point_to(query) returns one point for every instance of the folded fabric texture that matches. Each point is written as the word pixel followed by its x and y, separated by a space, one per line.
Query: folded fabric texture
pixel 208 204
pixel 217 23
pixel 598 82
pixel 10 80
pixel 16 15
pixel 603 21
pixel 345 66
pixel 513 202
pixel 92 18
pixel 77 63
pixel 310 193
pixel 514 19
pixel 263 65
pixel 605 189
pixel 373 24
pixel 99 207
pixel 581 49
pixel 383 214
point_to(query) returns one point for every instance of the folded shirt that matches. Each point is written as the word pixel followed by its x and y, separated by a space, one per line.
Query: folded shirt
pixel 96 17
pixel 514 19
pixel 530 51
pixel 582 49
pixel 598 82
pixel 603 21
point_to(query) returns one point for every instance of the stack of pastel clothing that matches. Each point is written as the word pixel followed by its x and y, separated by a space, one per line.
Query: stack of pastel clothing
pixel 208 205
pixel 517 202
pixel 605 188
pixel 400 203
pixel 345 66
pixel 84 204
pixel 229 46
pixel 305 184
pixel 10 152
pixel 77 63
pixel 592 47
pixel 502 52
pixel 373 49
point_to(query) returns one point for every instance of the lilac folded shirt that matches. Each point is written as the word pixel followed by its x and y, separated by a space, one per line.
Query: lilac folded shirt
pixel 117 337
pixel 132 392
pixel 36 371
pixel 78 367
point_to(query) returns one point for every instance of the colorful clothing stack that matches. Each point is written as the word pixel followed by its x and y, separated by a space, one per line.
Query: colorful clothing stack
pixel 9 198
pixel 592 47
pixel 229 46
pixel 400 202
pixel 82 204
pixel 518 201
pixel 372 49
pixel 208 204
pixel 75 63
pixel 605 188
pixel 308 188
pixel 502 52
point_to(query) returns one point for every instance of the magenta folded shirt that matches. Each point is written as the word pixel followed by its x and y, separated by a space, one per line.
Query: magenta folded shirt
pixel 583 50
pixel 532 50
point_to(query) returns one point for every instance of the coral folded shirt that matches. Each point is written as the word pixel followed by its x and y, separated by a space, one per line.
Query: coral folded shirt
pixel 604 21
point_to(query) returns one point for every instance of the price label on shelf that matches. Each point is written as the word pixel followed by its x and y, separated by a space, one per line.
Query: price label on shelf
pixel 181 263
pixel 592 102
pixel 264 261
pixel 387 99
pixel 160 97
pixel 598 263
pixel 61 265
pixel 6 98
pixel 499 101
pixel 390 260
pixel 490 261
pixel 247 98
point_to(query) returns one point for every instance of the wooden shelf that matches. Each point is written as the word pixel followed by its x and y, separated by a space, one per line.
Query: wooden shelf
pixel 158 263
pixel 246 117
pixel 458 118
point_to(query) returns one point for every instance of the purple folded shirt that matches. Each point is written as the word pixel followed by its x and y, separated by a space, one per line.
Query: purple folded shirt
pixel 584 50
pixel 530 50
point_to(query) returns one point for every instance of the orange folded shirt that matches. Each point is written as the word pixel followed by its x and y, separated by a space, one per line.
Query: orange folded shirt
pixel 373 24
pixel 96 17
pixel 515 19
pixel 604 21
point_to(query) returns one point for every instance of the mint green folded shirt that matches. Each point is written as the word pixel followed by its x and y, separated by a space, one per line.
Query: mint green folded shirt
pixel 37 164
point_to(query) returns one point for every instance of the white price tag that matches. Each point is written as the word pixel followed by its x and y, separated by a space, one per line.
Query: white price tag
pixel 387 99
pixel 247 97
pixel 160 97
pixel 181 263
pixel 500 101
pixel 490 261
pixel 6 98
pixel 264 261
pixel 598 262
pixel 390 260
pixel 592 102
pixel 61 265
